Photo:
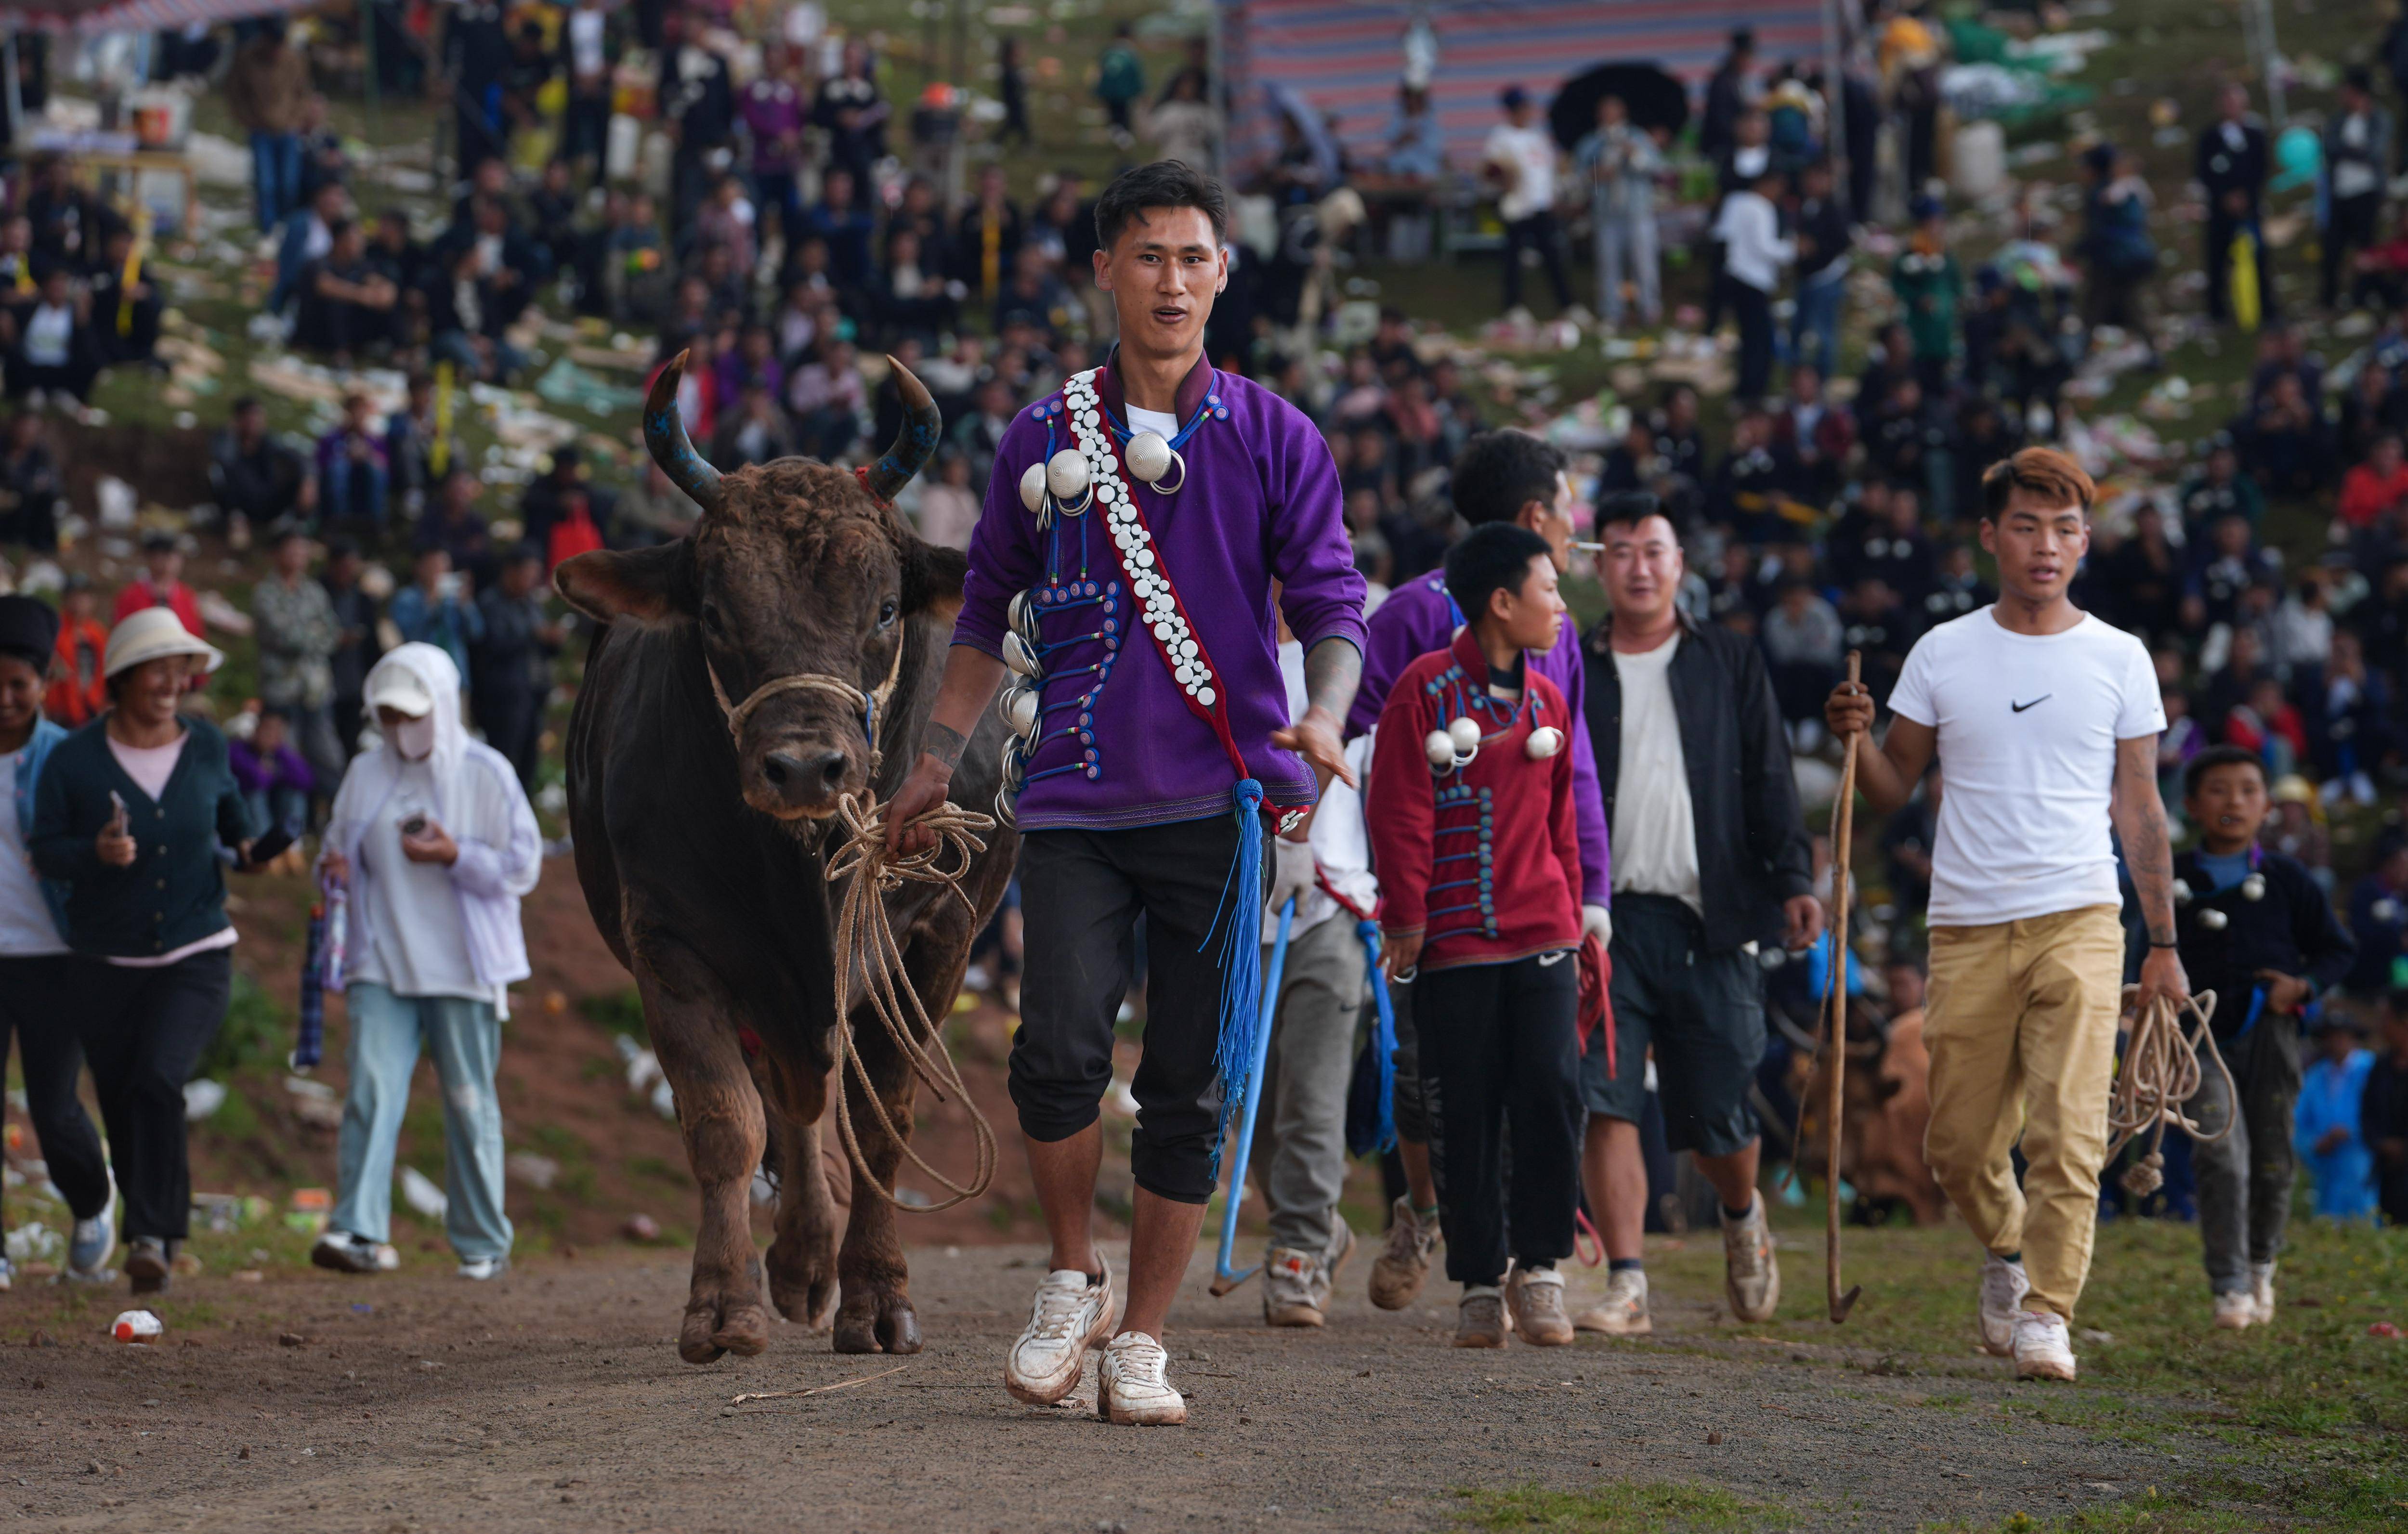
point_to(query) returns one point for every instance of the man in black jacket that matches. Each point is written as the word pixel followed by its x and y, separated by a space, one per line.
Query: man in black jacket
pixel 2231 164
pixel 1711 858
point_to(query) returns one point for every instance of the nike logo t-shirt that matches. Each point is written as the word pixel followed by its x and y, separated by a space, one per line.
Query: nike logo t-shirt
pixel 2028 727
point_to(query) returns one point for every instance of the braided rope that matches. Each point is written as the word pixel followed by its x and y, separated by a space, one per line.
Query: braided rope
pixel 863 935
pixel 2161 1071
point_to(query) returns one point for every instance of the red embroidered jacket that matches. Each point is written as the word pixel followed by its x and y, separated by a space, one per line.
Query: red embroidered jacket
pixel 1483 861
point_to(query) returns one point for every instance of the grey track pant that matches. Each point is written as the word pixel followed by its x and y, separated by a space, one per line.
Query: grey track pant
pixel 1300 1135
pixel 2244 1179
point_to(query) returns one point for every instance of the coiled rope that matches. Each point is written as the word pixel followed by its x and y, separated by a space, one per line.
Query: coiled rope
pixel 865 936
pixel 2160 1073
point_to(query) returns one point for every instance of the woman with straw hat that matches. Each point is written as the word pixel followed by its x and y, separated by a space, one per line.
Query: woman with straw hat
pixel 130 814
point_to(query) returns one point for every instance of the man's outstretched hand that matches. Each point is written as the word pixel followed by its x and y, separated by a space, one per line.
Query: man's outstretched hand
pixel 1314 738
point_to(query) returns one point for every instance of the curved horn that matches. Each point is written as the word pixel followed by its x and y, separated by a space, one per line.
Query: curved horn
pixel 1799 1039
pixel 915 441
pixel 665 437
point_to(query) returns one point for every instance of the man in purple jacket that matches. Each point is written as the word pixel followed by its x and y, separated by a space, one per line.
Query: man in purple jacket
pixel 1135 528
pixel 1501 476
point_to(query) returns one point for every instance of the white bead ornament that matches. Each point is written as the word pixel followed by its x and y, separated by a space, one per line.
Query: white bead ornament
pixel 1544 742
pixel 2213 919
pixel 1032 487
pixel 2181 891
pixel 1464 735
pixel 1441 747
pixel 2254 887
pixel 1148 456
pixel 1065 475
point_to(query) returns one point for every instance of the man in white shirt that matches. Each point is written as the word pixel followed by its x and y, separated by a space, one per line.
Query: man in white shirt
pixel 1521 157
pixel 1754 252
pixel 2357 161
pixel 2047 721
pixel 1300 1125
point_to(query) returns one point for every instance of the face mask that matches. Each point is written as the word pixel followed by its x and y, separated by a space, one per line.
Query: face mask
pixel 415 739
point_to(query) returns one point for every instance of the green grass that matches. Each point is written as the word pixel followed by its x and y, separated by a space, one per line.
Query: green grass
pixel 1617 1506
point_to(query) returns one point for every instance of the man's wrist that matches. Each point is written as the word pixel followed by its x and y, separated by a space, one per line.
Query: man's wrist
pixel 945 744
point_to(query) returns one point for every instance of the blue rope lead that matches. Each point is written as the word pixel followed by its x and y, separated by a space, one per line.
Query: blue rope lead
pixel 1383 1036
pixel 1239 922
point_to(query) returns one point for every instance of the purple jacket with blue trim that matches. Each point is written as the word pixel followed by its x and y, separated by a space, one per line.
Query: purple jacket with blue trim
pixel 1117 745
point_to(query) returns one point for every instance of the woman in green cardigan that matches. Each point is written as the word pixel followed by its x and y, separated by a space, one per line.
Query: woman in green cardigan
pixel 131 813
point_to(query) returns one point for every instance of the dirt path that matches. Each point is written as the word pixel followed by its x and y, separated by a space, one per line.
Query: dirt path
pixel 553 1400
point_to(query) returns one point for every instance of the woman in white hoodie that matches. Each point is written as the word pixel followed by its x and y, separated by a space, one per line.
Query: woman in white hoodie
pixel 434 843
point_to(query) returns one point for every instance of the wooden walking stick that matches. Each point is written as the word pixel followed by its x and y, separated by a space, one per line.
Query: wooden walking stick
pixel 1835 1013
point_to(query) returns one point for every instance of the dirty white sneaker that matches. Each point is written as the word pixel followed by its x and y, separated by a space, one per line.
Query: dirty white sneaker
pixel 1404 1260
pixel 1296 1288
pixel 1070 1316
pixel 476 1269
pixel 344 1253
pixel 1480 1318
pixel 2003 1287
pixel 1130 1391
pixel 1536 1298
pixel 2236 1311
pixel 1751 1277
pixel 2262 1292
pixel 2041 1347
pixel 1623 1311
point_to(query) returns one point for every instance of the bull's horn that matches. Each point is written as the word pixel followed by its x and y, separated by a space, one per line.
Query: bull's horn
pixel 665 437
pixel 1800 1039
pixel 915 441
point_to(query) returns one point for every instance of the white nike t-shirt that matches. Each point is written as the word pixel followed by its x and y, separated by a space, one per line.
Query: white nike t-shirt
pixel 2028 729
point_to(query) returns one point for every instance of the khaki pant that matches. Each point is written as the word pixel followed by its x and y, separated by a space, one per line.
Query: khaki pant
pixel 2020 1022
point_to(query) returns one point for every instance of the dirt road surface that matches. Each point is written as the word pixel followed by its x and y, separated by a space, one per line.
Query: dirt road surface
pixel 553 1400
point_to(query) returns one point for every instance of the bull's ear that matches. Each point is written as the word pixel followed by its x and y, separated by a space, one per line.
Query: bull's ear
pixel 643 585
pixel 932 578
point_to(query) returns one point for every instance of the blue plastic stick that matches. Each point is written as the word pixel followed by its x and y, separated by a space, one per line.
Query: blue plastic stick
pixel 1385 1038
pixel 1225 1275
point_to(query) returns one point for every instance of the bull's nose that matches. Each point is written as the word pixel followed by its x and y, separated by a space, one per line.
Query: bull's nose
pixel 803 778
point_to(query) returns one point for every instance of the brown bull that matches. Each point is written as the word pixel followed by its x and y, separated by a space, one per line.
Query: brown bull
pixel 702 776
pixel 1887 1106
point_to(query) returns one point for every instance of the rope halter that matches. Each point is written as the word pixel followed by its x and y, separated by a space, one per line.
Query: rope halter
pixel 866 704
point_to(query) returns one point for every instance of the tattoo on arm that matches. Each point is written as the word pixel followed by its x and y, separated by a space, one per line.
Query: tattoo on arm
pixel 2149 855
pixel 944 743
pixel 1331 670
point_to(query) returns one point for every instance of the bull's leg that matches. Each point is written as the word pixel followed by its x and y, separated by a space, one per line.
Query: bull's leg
pixel 719 1112
pixel 876 1315
pixel 802 1257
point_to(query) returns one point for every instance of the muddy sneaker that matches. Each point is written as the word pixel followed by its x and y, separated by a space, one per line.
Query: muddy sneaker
pixel 148 1265
pixel 2236 1311
pixel 2042 1350
pixel 478 1270
pixel 344 1253
pixel 2003 1287
pixel 1751 1277
pixel 89 1247
pixel 1130 1391
pixel 1342 1246
pixel 1480 1319
pixel 1295 1288
pixel 1071 1315
pixel 1404 1260
pixel 1623 1311
pixel 1537 1296
pixel 2262 1292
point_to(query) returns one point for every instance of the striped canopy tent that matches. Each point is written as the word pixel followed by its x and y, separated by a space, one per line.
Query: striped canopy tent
pixel 95 17
pixel 1344 59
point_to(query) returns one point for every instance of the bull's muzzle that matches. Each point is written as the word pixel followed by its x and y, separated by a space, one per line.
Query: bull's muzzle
pixel 801 775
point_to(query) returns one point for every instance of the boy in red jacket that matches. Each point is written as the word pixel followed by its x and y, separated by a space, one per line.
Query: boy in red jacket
pixel 1478 853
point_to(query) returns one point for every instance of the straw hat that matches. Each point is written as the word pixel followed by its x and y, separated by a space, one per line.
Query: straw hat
pixel 149 635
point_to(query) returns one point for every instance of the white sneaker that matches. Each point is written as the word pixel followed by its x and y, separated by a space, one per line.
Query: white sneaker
pixel 1404 1261
pixel 1751 1277
pixel 2003 1287
pixel 2262 1292
pixel 387 1259
pixel 1296 1288
pixel 345 1252
pixel 1623 1311
pixel 2041 1349
pixel 1535 1300
pixel 2236 1311
pixel 1070 1316
pixel 1130 1391
pixel 476 1269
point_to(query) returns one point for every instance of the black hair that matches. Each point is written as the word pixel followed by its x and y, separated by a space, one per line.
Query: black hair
pixel 1163 183
pixel 2218 756
pixel 1630 508
pixel 1500 472
pixel 1496 556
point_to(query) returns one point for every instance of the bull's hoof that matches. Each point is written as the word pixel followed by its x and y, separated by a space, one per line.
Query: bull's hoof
pixel 730 1320
pixel 693 1338
pixel 878 1324
pixel 745 1333
pixel 802 1281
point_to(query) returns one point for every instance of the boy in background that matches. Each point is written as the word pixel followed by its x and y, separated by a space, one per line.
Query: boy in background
pixel 2330 1134
pixel 2255 930
pixel 1479 859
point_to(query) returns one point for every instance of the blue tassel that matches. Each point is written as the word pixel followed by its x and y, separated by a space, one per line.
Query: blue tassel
pixel 1239 924
pixel 1383 1036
